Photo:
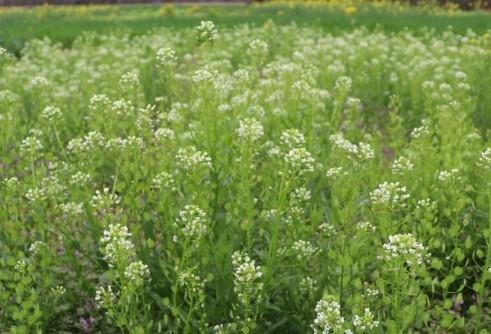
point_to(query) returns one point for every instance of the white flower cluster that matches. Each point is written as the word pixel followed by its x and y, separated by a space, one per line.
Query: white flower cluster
pixel 402 165
pixel 246 277
pixel 58 290
pixel 163 180
pixel 30 146
pixel 51 186
pixel 300 196
pixel 365 226
pixel 193 222
pixel 99 102
pixel 406 248
pixel 203 75
pixel 129 79
pixel 163 134
pixel 166 57
pixel 122 107
pixel 328 316
pixel 136 271
pixel 308 286
pixel 104 296
pixel 389 194
pixel 362 151
pixel 89 142
pixel 333 172
pixel 36 195
pixel 3 53
pixel 448 175
pixel 292 138
pixel 104 200
pixel 11 182
pixel 485 159
pixel 299 161
pixel 72 209
pixel 51 114
pixel 190 157
pixel 21 266
pixel 304 250
pixel 426 203
pixel 117 248
pixel 258 48
pixel 206 32
pixel 250 130
pixel 131 143
pixel 193 284
pixel 343 84
pixel 38 82
pixel 366 321
pixel 79 179
pixel 421 131
pixel 36 246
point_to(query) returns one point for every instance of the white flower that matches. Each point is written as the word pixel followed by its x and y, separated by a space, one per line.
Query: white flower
pixel 36 195
pixel 117 247
pixel 79 178
pixel 166 57
pixel 292 138
pixel 365 321
pixel 250 129
pixel 335 171
pixel 404 247
pixel 104 296
pixel 206 32
pixel 36 247
pixel 203 75
pixel 362 151
pixel 447 175
pixel 99 101
pixel 136 271
pixel 308 286
pixel 402 165
pixel 21 266
pixel 389 194
pixel 485 159
pixel 51 114
pixel 343 84
pixel 246 277
pixel 258 48
pixel 299 161
pixel 58 290
pixel 30 146
pixel 163 181
pixel 328 316
pixel 192 282
pixel 190 157
pixel 193 222
pixel 303 250
pixel 129 79
pixel 162 134
pixel 421 131
pixel 72 209
pixel 365 226
pixel 104 199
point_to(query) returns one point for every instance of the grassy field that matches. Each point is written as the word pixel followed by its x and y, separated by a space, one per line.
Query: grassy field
pixel 164 174
pixel 64 24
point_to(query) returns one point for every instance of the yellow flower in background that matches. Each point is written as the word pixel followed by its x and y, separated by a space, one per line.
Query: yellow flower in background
pixel 350 10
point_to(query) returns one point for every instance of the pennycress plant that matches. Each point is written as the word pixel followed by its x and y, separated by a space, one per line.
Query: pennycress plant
pixel 246 179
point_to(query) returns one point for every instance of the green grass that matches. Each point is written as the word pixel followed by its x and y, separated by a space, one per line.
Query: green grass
pixel 64 24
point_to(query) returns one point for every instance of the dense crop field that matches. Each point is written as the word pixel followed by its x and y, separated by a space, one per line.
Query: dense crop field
pixel 238 179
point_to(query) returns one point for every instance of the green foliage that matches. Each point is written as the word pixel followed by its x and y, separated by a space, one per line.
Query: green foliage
pixel 276 179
